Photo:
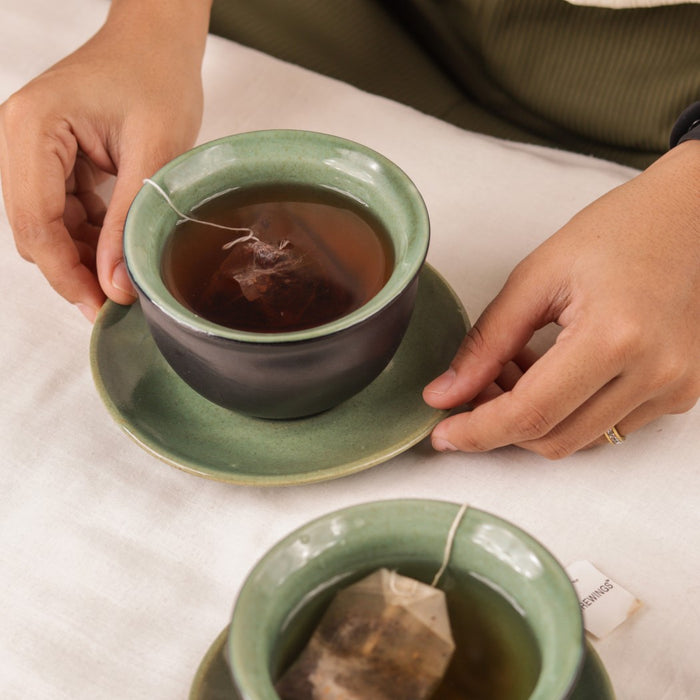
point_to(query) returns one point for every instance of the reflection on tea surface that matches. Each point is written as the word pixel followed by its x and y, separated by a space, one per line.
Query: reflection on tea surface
pixel 314 256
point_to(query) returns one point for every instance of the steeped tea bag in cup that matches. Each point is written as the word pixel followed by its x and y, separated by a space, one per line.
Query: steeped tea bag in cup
pixel 279 268
pixel 276 271
pixel 387 636
pixel 275 277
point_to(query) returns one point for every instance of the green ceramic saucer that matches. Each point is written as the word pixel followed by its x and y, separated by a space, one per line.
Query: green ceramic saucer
pixel 213 682
pixel 171 421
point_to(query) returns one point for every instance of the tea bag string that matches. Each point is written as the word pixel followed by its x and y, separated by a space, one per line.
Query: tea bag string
pixel 449 543
pixel 251 234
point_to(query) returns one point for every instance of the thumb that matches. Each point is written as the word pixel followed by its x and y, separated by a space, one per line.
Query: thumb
pixel 505 327
pixel 111 268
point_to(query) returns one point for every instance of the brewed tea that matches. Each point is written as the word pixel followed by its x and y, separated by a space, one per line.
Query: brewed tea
pixel 496 655
pixel 311 256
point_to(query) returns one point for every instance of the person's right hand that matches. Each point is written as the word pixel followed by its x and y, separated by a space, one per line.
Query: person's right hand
pixel 126 102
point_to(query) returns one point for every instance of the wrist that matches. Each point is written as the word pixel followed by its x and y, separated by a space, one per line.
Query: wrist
pixel 183 23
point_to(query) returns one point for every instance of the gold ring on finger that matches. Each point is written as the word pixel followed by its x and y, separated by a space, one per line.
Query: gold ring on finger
pixel 614 437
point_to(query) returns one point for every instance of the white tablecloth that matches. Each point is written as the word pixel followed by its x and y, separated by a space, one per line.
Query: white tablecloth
pixel 117 571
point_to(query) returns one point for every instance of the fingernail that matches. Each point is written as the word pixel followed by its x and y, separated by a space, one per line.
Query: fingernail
pixel 442 445
pixel 442 384
pixel 88 311
pixel 121 280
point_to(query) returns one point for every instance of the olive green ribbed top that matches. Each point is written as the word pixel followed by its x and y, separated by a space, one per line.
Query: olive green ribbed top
pixel 595 80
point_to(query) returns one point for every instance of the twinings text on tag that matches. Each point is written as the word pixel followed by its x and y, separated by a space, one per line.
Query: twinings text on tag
pixel 604 603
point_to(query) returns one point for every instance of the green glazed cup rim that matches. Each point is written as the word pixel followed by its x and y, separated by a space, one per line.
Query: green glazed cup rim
pixel 278 156
pixel 335 549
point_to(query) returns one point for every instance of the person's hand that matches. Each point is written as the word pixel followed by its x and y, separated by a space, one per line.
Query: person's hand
pixel 123 104
pixel 622 279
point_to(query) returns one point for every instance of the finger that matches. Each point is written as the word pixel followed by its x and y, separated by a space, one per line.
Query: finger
pixel 587 424
pixel 525 358
pixel 86 177
pixel 61 261
pixel 629 401
pixel 510 375
pixel 642 416
pixel 87 236
pixel 111 268
pixel 498 336
pixel 75 216
pixel 81 212
pixel 87 256
pixel 617 404
pixel 70 183
pixel 508 378
pixel 84 174
pixel 536 405
pixel 94 206
pixel 487 394
pixel 505 381
pixel 34 178
pixel 632 398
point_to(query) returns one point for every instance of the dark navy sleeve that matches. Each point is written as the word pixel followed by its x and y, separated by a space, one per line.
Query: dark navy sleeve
pixel 687 126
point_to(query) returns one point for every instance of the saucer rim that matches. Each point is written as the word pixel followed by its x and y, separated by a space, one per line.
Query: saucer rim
pixel 592 664
pixel 181 462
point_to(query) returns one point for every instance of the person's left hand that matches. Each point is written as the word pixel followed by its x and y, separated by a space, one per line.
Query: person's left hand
pixel 622 279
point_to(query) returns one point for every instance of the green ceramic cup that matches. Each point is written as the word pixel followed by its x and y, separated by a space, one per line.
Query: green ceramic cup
pixel 286 374
pixel 286 592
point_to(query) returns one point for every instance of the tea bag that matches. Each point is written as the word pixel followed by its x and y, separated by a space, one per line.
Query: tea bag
pixel 279 279
pixel 280 269
pixel 387 636
pixel 276 271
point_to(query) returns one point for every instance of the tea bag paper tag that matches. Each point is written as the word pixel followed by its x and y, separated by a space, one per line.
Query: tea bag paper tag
pixel 604 603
